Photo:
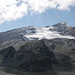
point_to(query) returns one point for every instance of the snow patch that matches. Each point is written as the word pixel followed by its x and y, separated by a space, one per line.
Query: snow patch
pixel 45 33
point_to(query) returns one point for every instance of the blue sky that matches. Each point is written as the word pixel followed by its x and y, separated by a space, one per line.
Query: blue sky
pixel 36 13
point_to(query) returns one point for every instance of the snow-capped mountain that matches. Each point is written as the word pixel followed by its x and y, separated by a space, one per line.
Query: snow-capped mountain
pixel 20 35
pixel 49 32
pixel 23 50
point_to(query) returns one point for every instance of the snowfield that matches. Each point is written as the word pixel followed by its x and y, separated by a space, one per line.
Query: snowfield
pixel 46 33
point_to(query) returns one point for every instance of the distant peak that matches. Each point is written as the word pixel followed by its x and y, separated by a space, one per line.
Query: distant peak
pixel 32 26
pixel 63 23
pixel 60 24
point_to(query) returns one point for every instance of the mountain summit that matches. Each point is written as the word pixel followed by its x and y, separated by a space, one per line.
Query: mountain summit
pixel 61 27
pixel 20 35
pixel 61 24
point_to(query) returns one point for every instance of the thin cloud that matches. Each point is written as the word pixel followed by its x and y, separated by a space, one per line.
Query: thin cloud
pixel 14 9
pixel 45 33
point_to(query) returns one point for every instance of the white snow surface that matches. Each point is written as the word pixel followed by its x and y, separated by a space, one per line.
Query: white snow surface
pixel 45 33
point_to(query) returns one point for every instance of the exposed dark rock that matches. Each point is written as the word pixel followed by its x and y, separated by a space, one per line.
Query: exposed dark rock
pixel 63 59
pixel 34 56
pixel 61 27
pixel 6 55
pixel 71 32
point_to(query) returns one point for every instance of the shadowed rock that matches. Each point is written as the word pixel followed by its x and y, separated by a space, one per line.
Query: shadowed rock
pixel 34 56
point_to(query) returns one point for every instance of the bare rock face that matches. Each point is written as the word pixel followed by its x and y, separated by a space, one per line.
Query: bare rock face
pixel 34 56
pixel 6 55
pixel 61 27
pixel 71 32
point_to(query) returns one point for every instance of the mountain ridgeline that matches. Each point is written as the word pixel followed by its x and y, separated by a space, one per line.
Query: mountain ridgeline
pixel 33 49
pixel 17 37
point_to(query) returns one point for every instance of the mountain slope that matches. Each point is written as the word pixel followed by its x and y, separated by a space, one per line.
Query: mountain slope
pixel 62 27
pixel 51 48
pixel 71 32
pixel 34 56
pixel 19 36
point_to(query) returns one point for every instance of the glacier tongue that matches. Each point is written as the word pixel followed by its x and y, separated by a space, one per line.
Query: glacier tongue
pixel 46 33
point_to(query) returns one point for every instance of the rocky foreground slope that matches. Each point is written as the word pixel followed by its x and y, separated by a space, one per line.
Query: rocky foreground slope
pixel 35 57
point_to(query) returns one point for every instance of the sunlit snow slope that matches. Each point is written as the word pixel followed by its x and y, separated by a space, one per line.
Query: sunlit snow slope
pixel 50 32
